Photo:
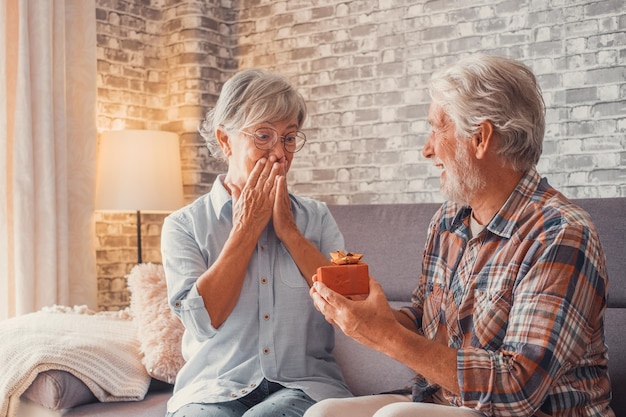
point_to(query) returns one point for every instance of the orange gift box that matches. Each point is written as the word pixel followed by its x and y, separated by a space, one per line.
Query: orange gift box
pixel 347 278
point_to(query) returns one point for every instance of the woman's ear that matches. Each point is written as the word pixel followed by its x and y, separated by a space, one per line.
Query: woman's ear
pixel 224 140
pixel 483 139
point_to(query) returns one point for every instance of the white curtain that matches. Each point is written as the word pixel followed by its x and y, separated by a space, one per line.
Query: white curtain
pixel 48 148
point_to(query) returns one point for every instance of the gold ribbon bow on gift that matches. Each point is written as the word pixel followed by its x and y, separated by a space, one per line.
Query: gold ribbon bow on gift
pixel 345 258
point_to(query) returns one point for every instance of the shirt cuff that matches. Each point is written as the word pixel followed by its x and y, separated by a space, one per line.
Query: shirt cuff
pixel 194 315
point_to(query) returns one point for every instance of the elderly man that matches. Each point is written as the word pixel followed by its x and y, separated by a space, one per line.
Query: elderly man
pixel 507 317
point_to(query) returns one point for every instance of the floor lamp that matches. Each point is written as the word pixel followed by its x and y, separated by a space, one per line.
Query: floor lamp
pixel 139 170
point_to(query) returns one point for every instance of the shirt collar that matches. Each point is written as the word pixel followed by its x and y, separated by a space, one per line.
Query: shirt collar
pixel 505 222
pixel 220 198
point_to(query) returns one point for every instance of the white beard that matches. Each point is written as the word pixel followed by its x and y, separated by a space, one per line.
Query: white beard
pixel 463 179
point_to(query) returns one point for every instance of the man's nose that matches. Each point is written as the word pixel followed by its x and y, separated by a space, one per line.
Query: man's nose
pixel 427 150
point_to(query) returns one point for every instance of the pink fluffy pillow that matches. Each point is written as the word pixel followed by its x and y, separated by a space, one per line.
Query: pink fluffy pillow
pixel 158 329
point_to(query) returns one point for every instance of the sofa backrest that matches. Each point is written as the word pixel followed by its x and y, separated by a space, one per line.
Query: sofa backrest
pixel 609 217
pixel 391 238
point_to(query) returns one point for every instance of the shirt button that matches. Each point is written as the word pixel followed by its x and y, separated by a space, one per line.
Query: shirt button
pixel 244 391
pixel 252 385
pixel 233 395
pixel 264 280
pixel 266 351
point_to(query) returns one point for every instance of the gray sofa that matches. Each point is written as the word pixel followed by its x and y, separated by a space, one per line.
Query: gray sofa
pixel 391 237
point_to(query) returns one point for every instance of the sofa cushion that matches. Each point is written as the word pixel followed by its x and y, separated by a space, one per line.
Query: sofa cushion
pixel 367 371
pixel 153 405
pixel 58 390
pixel 159 331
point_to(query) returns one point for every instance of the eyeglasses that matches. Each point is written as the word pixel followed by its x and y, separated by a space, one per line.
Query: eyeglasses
pixel 265 139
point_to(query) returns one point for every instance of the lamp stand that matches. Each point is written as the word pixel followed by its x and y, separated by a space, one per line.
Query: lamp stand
pixel 139 260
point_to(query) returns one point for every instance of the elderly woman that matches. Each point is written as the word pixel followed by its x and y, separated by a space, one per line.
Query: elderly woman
pixel 239 262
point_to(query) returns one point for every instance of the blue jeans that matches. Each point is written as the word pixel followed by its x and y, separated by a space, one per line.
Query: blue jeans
pixel 269 399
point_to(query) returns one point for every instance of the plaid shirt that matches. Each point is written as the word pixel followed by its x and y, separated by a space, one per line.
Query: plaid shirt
pixel 523 302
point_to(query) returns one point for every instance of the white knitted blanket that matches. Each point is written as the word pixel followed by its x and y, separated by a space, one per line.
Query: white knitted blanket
pixel 101 349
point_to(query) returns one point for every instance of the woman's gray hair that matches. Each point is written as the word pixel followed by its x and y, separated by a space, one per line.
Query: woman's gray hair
pixel 498 89
pixel 250 97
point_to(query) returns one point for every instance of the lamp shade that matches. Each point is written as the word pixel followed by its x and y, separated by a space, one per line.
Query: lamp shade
pixel 139 170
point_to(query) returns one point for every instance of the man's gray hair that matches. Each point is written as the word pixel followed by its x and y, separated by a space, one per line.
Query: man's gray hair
pixel 502 91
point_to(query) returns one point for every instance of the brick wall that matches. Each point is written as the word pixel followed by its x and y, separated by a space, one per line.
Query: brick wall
pixel 160 65
pixel 363 67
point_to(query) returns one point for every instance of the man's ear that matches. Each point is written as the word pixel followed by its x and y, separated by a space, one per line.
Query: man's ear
pixel 483 139
pixel 224 140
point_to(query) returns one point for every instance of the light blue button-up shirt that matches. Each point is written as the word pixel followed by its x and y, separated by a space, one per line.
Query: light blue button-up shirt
pixel 274 331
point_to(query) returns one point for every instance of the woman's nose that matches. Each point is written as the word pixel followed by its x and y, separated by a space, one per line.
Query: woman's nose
pixel 278 150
